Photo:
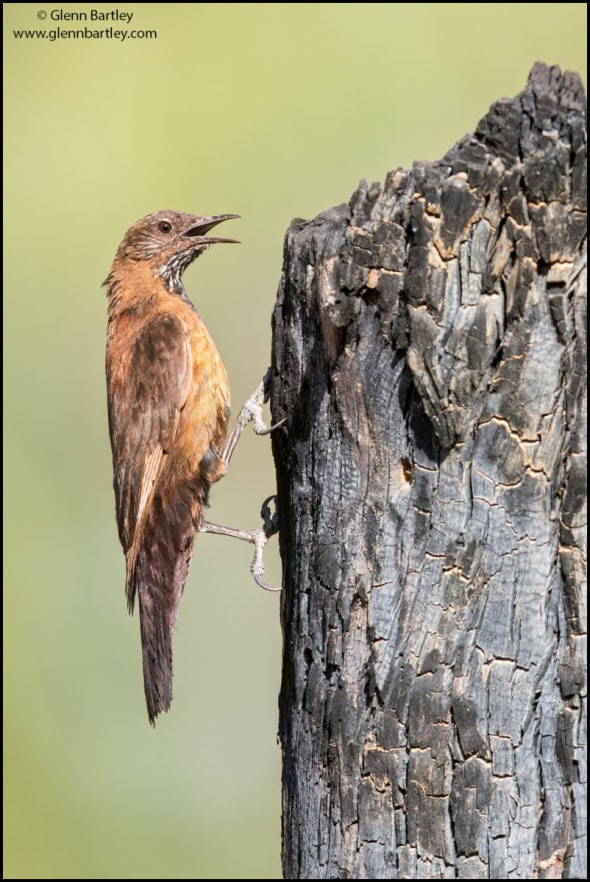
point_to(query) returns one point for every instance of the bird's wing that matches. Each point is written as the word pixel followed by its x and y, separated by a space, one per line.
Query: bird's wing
pixel 146 397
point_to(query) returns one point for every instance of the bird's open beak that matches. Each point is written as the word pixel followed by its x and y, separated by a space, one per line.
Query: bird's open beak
pixel 200 229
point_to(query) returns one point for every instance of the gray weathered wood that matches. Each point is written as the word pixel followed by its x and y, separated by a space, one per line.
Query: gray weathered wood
pixel 429 355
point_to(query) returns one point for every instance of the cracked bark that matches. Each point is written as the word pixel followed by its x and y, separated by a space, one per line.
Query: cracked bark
pixel 429 356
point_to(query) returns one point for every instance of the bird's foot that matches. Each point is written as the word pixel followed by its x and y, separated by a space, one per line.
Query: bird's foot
pixel 258 538
pixel 251 411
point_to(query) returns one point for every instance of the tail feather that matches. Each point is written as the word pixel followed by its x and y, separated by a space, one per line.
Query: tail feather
pixel 157 578
pixel 156 642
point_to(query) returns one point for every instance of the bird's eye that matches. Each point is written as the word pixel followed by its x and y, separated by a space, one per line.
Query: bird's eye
pixel 164 227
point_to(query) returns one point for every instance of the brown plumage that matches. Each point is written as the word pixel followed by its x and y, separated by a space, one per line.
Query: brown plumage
pixel 168 403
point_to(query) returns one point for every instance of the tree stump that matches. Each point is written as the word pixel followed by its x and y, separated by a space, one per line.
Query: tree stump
pixel 429 357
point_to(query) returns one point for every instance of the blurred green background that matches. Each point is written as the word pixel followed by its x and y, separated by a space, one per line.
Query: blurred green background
pixel 272 111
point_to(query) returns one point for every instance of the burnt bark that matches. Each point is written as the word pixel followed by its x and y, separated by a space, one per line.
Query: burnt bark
pixel 429 357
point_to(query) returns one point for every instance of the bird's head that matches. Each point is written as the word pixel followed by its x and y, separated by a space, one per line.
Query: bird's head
pixel 169 241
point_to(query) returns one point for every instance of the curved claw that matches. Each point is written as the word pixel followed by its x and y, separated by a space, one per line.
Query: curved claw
pixel 269 429
pixel 261 537
pixel 258 538
pixel 257 565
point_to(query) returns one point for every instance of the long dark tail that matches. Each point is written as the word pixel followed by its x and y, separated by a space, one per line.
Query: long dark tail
pixel 156 643
pixel 160 572
pixel 157 631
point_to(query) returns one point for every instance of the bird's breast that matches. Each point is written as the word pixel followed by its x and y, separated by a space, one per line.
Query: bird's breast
pixel 205 415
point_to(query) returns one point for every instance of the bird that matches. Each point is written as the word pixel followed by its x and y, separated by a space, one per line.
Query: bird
pixel 168 413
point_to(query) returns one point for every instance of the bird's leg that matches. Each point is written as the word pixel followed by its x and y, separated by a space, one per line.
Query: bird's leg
pixel 258 537
pixel 251 410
